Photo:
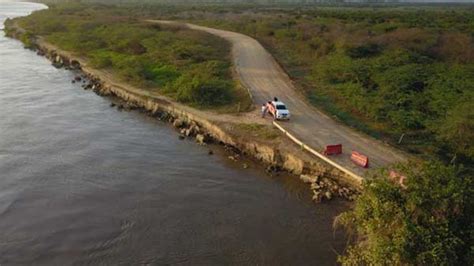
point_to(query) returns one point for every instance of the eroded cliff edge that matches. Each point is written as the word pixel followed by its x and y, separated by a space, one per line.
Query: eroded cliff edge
pixel 239 133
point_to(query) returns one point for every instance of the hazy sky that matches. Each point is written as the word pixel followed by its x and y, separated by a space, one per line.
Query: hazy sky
pixel 230 1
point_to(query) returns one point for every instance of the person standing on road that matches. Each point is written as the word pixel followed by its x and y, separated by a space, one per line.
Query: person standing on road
pixel 275 99
pixel 264 110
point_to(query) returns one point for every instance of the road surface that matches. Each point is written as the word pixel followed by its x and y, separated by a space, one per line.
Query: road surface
pixel 260 73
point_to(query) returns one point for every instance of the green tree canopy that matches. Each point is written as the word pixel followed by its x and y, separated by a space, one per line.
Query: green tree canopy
pixel 457 128
pixel 429 222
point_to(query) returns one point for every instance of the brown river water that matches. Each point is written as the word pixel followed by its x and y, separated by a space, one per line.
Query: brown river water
pixel 83 183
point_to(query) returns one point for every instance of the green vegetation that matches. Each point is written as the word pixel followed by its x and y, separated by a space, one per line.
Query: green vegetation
pixel 387 71
pixel 259 131
pixel 397 73
pixel 26 38
pixel 391 72
pixel 190 66
pixel 430 222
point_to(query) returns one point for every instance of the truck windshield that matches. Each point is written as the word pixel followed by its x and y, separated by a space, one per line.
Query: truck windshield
pixel 281 107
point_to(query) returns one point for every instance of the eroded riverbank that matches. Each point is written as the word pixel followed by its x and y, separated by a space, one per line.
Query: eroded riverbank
pixel 277 154
pixel 83 183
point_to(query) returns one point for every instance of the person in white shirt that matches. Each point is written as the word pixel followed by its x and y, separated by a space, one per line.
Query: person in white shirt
pixel 264 110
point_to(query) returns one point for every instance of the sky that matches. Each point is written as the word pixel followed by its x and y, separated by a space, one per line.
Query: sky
pixel 230 1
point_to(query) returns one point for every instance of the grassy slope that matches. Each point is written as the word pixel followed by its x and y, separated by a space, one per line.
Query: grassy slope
pixel 189 66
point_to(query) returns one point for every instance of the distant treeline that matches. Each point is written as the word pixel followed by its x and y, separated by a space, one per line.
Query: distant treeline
pixel 268 2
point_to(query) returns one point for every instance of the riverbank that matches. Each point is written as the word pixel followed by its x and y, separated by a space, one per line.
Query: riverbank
pixel 84 183
pixel 243 137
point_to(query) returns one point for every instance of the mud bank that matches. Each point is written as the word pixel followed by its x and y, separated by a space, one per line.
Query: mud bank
pixel 325 181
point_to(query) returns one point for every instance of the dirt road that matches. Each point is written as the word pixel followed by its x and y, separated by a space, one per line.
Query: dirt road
pixel 265 79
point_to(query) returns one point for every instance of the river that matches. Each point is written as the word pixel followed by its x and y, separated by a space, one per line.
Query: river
pixel 83 183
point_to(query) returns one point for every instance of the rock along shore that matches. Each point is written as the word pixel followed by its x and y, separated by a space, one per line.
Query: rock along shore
pixel 325 181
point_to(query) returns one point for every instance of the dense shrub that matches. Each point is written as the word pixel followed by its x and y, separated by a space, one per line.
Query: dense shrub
pixel 203 92
pixel 200 86
pixel 172 59
pixel 429 222
pixel 162 75
pixel 456 128
pixel 366 50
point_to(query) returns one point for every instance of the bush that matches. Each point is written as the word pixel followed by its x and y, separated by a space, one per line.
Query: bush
pixel 456 128
pixel 200 91
pixel 27 39
pixel 162 75
pixel 363 51
pixel 101 60
pixel 416 225
pixel 191 66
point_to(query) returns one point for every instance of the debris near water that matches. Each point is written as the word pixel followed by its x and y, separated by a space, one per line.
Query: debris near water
pixel 179 123
pixel 272 169
pixel 326 189
pixel 201 139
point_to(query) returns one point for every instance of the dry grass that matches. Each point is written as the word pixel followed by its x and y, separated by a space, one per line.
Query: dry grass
pixel 259 131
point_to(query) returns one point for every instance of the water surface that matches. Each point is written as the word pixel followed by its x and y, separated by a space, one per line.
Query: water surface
pixel 82 183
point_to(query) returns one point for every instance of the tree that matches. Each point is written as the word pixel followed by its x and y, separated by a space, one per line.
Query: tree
pixel 457 128
pixel 429 222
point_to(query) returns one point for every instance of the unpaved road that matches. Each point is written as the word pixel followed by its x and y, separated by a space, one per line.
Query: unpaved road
pixel 259 71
